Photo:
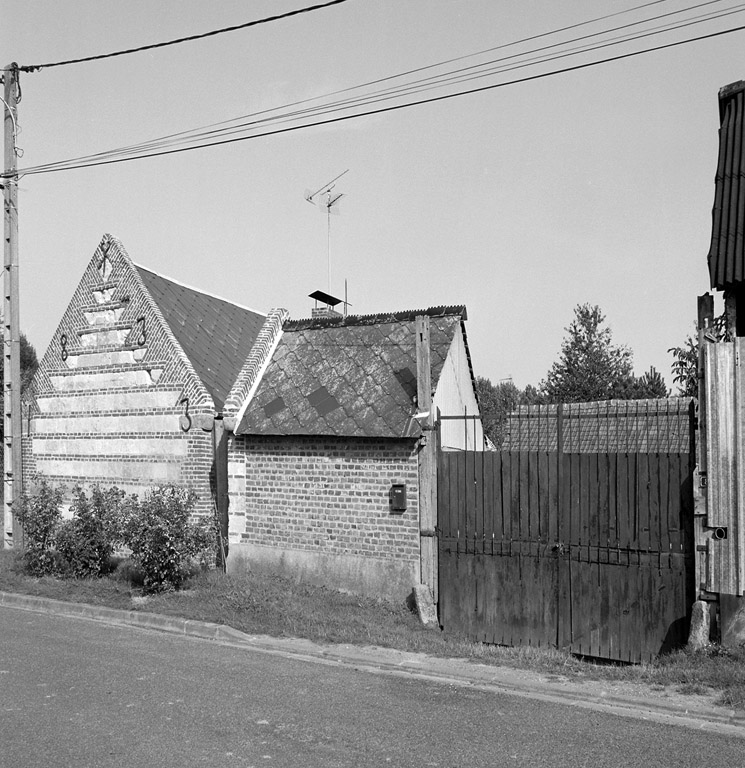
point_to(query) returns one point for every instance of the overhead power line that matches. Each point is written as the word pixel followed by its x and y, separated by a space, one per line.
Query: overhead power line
pixel 277 17
pixel 214 129
pixel 269 122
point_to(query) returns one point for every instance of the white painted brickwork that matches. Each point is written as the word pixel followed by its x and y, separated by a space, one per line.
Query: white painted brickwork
pixel 103 402
pixel 116 446
pixel 83 382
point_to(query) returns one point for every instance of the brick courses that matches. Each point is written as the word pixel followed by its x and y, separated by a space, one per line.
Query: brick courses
pixel 326 495
pixel 112 389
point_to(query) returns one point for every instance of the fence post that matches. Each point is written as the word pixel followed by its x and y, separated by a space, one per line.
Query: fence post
pixel 427 460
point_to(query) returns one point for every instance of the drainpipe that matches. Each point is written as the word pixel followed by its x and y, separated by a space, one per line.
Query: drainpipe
pixel 219 482
pixel 220 453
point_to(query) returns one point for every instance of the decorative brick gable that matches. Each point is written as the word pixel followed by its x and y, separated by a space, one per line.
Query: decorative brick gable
pixel 116 399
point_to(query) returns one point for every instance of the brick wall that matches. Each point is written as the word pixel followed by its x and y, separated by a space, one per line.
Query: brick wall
pixel 111 388
pixel 323 504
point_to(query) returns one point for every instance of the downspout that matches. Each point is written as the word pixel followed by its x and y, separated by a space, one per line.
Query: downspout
pixel 215 425
pixel 220 459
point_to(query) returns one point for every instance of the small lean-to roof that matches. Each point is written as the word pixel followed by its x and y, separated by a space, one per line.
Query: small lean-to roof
pixel 216 335
pixel 353 376
pixel 662 425
pixel 727 252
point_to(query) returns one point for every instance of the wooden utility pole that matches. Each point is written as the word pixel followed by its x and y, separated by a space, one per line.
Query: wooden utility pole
pixel 427 459
pixel 12 487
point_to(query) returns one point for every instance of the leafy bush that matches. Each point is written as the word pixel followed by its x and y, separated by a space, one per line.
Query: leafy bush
pixel 86 542
pixel 164 543
pixel 166 547
pixel 130 573
pixel 39 514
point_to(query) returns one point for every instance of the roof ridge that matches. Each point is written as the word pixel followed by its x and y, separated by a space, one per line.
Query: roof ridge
pixel 375 319
pixel 198 290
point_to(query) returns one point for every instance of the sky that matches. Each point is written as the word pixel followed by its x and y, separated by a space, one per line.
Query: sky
pixel 593 186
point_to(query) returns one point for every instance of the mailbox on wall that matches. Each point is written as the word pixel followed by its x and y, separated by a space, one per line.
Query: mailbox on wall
pixel 398 497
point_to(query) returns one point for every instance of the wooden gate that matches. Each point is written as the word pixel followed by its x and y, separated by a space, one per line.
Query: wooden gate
pixel 587 550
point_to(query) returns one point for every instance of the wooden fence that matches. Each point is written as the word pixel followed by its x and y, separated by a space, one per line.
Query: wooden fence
pixel 592 552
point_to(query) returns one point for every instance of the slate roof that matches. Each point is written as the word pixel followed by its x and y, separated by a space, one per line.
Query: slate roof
pixel 608 426
pixel 353 376
pixel 727 251
pixel 215 334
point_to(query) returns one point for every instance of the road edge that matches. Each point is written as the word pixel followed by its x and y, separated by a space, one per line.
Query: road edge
pixel 460 672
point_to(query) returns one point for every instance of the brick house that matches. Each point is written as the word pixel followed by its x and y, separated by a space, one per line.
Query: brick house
pixel 132 382
pixel 325 464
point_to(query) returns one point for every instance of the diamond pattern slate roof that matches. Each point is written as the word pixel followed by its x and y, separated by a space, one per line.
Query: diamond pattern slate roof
pixel 215 334
pixel 352 376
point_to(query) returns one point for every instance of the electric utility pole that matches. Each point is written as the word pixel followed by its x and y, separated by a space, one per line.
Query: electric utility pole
pixel 12 487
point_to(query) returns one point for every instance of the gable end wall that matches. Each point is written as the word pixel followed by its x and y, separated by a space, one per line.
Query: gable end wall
pixel 107 407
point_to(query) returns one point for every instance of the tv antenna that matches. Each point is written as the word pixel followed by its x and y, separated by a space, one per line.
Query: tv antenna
pixel 326 200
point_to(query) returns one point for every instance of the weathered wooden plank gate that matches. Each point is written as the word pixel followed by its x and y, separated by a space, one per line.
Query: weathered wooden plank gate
pixel 559 541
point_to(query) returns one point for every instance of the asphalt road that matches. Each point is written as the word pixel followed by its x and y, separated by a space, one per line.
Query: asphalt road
pixel 80 693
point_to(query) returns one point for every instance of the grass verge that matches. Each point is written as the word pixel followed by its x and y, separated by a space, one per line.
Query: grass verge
pixel 257 603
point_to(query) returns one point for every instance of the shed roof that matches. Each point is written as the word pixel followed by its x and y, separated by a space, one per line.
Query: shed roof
pixel 727 251
pixel 350 376
pixel 631 426
pixel 216 335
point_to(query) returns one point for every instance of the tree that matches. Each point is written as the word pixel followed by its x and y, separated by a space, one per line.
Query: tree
pixel 498 401
pixel 29 364
pixel 685 366
pixel 590 366
pixel 649 386
pixel 685 357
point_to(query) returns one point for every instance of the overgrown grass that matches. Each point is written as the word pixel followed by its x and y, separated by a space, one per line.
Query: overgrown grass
pixel 262 604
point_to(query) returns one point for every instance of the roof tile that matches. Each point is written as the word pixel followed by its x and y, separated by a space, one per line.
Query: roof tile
pixel 216 335
pixel 355 378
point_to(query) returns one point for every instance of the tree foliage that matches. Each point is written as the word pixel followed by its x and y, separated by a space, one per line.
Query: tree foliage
pixel 166 545
pixel 163 540
pixel 685 366
pixel 497 401
pixel 591 367
pixel 40 513
pixel 29 364
pixel 86 542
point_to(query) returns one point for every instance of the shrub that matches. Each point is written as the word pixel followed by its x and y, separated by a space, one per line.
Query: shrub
pixel 164 543
pixel 86 542
pixel 39 513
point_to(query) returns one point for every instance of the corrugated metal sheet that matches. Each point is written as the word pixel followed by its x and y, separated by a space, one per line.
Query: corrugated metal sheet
pixel 725 465
pixel 727 252
pixel 626 426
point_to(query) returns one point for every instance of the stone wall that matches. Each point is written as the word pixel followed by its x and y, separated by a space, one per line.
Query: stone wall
pixel 318 508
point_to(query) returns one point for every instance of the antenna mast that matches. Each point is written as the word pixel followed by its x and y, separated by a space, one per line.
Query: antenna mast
pixel 325 198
